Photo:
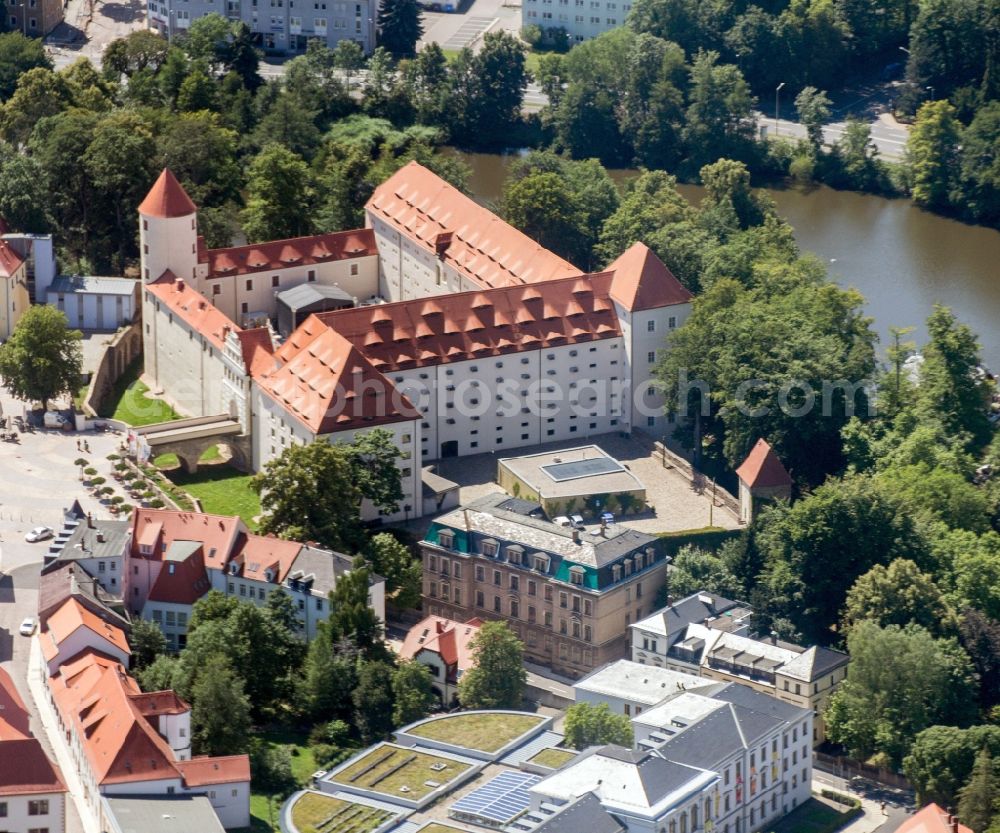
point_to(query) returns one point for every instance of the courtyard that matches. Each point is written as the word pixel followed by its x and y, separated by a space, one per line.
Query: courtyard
pixel 674 505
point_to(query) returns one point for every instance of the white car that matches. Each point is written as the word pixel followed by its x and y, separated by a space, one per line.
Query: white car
pixel 39 533
pixel 27 627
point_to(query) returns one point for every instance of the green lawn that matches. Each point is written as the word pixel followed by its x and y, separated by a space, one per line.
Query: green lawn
pixel 387 769
pixel 314 811
pixel 477 730
pixel 437 827
pixel 552 757
pixel 129 403
pixel 813 817
pixel 170 461
pixel 303 766
pixel 221 489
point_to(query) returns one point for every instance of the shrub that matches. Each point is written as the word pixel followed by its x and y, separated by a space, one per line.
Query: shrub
pixel 156 503
pixel 841 798
pixel 90 471
pixel 112 457
pixel 79 461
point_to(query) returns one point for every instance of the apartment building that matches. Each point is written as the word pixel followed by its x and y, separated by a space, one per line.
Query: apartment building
pixel 279 26
pixel 33 18
pixel 707 635
pixel 444 647
pixel 582 19
pixel 569 595
pixel 32 792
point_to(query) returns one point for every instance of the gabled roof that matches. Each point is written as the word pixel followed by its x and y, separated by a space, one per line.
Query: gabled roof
pixel 283 254
pixel 217 533
pixel 693 609
pixel 642 281
pixel 25 769
pixel 191 307
pixel 62 580
pixel 10 261
pixel 155 703
pixel 70 618
pixel 762 468
pixel 327 384
pixel 14 721
pixel 467 236
pixel 445 637
pixel 257 350
pixel 466 326
pixel 585 815
pixel 257 553
pixel 167 198
pixel 182 580
pixel 227 769
pixel 932 819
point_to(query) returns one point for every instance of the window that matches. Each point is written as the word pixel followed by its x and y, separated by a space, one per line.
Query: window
pixel 3 809
pixel 497 578
pixel 531 588
pixel 515 584
pixel 311 274
pixel 548 593
pixel 563 600
pixel 650 326
pixel 275 280
pixel 249 285
pixel 244 307
pixel 671 322
pixel 480 601
pixel 354 269
pixel 576 576
pixel 496 604
pixel 217 289
pixel 515 608
pixel 39 807
pixel 480 573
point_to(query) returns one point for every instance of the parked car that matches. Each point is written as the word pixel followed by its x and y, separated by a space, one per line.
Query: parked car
pixel 27 627
pixel 39 533
pixel 54 419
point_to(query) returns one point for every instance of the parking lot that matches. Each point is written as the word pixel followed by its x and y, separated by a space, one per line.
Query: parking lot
pixel 456 30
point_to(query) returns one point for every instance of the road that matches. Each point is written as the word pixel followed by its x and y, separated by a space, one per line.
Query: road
pixel 887 134
pixel 899 804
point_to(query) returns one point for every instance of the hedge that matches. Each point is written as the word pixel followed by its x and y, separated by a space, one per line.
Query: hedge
pixel 840 798
pixel 707 538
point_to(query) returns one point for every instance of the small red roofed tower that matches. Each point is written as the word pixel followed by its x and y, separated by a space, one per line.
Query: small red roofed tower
pixel 762 476
pixel 168 230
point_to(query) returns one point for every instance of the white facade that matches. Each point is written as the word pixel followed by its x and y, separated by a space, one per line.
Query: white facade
pixel 629 688
pixel 74 643
pixel 94 303
pixel 37 811
pixel 14 300
pixel 582 19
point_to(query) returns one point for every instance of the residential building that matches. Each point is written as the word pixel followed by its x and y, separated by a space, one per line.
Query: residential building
pixel 569 595
pixel 98 547
pixel 707 635
pixel 444 647
pixel 159 814
pixel 488 342
pixel 582 19
pixel 33 18
pixel 277 27
pixel 37 252
pixel 933 819
pixel 630 688
pixel 95 303
pixel 14 296
pixel 32 792
pixel 73 629
pixel 175 558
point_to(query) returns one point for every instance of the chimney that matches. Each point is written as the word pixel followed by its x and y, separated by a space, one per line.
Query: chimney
pixel 441 243
pixel 179 285
pixel 100 537
pixel 468 523
pixel 604 528
pixel 225 332
pixel 576 536
pixel 774 637
pixel 90 521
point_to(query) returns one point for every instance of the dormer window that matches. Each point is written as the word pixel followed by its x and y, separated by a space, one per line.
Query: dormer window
pixel 515 554
pixel 540 562
pixel 576 575
pixel 628 566
pixel 145 549
pixel 616 572
pixel 446 538
pixel 489 548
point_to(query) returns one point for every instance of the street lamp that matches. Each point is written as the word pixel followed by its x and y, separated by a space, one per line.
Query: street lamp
pixel 776 91
pixel 931 90
pixel 904 49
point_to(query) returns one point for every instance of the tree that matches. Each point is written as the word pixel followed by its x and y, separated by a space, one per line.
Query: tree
pixel 589 725
pixel 296 490
pixel 147 643
pixel 977 800
pixel 207 38
pixel 694 569
pixel 279 195
pixel 42 359
pixel 814 551
pixel 497 677
pixel 399 27
pixel 329 675
pixel 898 594
pixel 349 57
pixel 932 155
pixel 942 758
pixel 412 685
pixel 18 54
pixel 202 154
pixel 542 206
pixel 40 92
pixel 241 56
pixel 352 617
pixel 813 107
pixel 214 606
pixel 160 675
pixel 951 389
pixel 271 772
pixel 22 192
pixel 402 572
pixel 373 456
pixel 487 89
pixel 719 116
pixel 220 713
pixel 900 681
pixel 373 701
pixel 281 610
pixel 980 173
pixel 980 636
pixel 198 90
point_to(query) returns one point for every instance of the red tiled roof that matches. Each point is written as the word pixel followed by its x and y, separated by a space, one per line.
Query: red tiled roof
pixel 10 261
pixel 642 281
pixel 446 637
pixel 155 703
pixel 192 307
pixel 281 254
pixel 257 553
pixel 257 349
pixel 25 769
pixel 762 468
pixel 472 239
pixel 932 819
pixel 226 769
pixel 474 325
pixel 326 383
pixel 182 582
pixel 14 721
pixel 167 198
pixel 71 617
pixel 217 533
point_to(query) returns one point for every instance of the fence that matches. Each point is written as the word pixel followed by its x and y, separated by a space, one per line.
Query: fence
pixel 849 768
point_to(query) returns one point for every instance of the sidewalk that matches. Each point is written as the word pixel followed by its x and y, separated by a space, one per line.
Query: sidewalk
pixel 872 818
pixel 57 741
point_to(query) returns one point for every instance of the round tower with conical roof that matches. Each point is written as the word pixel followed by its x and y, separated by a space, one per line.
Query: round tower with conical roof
pixel 168 231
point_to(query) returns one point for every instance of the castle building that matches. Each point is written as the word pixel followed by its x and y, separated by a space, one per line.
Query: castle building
pixel 460 335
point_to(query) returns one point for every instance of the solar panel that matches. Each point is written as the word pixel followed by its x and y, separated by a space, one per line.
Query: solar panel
pixel 582 468
pixel 501 800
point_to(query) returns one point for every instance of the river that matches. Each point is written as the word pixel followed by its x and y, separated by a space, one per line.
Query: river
pixel 903 260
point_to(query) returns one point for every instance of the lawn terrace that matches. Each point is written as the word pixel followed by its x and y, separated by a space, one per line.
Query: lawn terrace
pixel 316 813
pixel 398 772
pixel 438 827
pixel 552 757
pixel 487 731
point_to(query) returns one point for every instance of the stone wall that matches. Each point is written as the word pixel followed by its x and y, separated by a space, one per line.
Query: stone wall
pixel 699 481
pixel 124 348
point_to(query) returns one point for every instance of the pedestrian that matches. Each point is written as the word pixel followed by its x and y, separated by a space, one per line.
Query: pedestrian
pixel 77 443
pixel 884 813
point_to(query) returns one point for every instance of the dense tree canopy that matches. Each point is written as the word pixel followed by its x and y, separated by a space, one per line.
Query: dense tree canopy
pixel 42 358
pixel 497 678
